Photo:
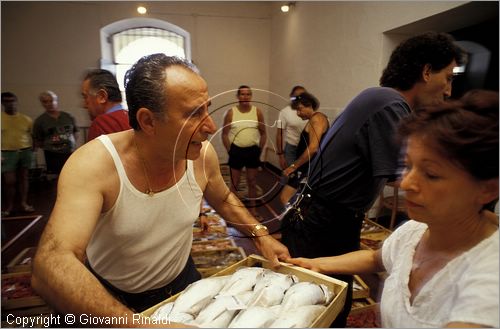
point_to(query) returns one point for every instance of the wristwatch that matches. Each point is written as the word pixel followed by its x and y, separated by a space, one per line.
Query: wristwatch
pixel 292 165
pixel 257 228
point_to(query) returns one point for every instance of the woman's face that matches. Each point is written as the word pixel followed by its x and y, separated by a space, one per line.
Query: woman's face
pixel 304 112
pixel 437 190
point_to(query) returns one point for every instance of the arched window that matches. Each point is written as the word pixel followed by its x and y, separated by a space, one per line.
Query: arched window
pixel 125 41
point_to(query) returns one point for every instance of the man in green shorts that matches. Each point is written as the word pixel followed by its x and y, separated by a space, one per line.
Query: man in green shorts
pixel 17 153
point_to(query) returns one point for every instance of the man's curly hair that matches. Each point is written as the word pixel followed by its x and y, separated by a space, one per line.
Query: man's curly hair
pixel 409 58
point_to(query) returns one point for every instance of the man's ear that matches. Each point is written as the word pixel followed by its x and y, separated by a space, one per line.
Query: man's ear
pixel 146 120
pixel 102 96
pixel 426 72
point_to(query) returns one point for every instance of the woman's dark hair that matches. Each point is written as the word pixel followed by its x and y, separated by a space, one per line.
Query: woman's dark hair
pixel 294 89
pixel 104 79
pixel 306 99
pixel 408 60
pixel 465 131
pixel 146 84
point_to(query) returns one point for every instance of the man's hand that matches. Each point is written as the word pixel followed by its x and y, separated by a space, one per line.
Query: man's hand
pixel 272 249
pixel 204 222
pixel 288 171
pixel 283 163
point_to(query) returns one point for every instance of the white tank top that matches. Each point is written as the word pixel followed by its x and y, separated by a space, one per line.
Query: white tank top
pixel 143 242
pixel 245 128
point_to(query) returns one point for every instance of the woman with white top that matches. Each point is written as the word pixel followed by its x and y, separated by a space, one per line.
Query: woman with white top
pixel 443 264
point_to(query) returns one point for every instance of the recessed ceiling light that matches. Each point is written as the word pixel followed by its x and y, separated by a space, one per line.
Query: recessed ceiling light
pixel 141 10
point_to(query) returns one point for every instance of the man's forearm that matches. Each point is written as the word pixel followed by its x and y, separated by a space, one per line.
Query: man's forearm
pixel 67 285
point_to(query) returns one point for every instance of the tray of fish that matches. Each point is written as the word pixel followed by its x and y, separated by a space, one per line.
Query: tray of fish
pixel 249 294
pixel 210 245
pixel 373 240
pixel 366 316
pixel 209 262
pixel 199 235
pixel 370 226
pixel 359 288
pixel 214 221
pixel 22 262
pixel 17 291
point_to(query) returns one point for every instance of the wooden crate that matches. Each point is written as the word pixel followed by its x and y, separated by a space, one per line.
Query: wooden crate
pixel 363 292
pixel 324 320
pixel 362 304
pixel 218 244
pixel 367 316
pixel 9 285
pixel 222 259
pixel 22 262
pixel 373 241
pixel 370 226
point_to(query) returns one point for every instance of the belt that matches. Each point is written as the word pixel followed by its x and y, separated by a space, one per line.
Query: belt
pixel 23 149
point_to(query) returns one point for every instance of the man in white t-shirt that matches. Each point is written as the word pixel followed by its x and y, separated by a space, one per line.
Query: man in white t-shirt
pixel 289 128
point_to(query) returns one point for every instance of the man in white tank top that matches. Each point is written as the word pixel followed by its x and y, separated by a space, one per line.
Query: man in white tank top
pixel 119 237
pixel 244 137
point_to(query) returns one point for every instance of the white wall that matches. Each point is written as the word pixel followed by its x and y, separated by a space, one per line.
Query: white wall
pixel 48 45
pixel 335 49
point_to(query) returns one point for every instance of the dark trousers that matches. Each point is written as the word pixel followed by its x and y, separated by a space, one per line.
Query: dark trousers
pixel 324 230
pixel 144 300
pixel 55 161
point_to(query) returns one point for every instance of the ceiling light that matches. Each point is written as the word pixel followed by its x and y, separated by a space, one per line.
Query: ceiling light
pixel 286 7
pixel 141 10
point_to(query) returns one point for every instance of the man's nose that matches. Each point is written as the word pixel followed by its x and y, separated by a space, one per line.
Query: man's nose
pixel 208 125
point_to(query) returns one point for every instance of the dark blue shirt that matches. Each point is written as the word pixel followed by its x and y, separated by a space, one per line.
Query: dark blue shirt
pixel 359 151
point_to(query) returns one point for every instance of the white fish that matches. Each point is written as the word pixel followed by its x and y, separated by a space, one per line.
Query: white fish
pixel 254 317
pixel 198 294
pixel 267 296
pixel 300 317
pixel 165 313
pixel 181 317
pixel 222 309
pixel 244 279
pixel 305 293
pixel 270 288
pixel 268 277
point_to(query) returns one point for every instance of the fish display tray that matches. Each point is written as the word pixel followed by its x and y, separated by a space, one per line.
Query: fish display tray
pixel 322 321
pixel 22 262
pixel 210 245
pixel 17 291
pixel 361 305
pixel 363 292
pixel 214 221
pixel 212 261
pixel 373 241
pixel 370 226
pixel 211 229
pixel 367 316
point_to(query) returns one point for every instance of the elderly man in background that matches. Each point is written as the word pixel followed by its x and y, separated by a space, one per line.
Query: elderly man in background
pixel 54 131
pixel 102 98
